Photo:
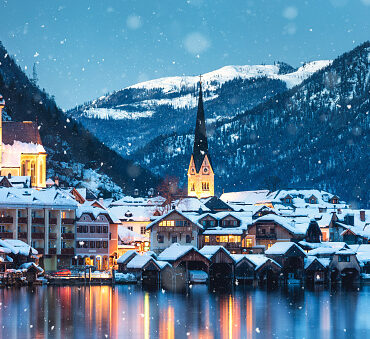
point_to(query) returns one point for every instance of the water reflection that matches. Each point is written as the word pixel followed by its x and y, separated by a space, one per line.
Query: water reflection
pixel 130 312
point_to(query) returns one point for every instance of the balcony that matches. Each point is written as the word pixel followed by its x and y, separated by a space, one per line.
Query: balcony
pixel 38 235
pixel 6 220
pixel 52 251
pixel 22 220
pixel 68 251
pixel 174 228
pixel 39 221
pixel 233 245
pixel 68 236
pixel 266 236
pixel 68 221
pixel 52 236
pixel 22 235
pixel 6 235
pixel 53 221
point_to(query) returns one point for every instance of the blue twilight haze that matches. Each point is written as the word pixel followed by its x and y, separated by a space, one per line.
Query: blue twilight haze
pixel 83 49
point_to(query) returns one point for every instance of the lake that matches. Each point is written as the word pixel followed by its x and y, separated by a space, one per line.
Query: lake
pixel 130 312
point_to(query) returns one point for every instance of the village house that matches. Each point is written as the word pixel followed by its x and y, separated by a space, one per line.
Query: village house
pixel 291 258
pixel 21 150
pixel 44 219
pixel 174 227
pixel 96 236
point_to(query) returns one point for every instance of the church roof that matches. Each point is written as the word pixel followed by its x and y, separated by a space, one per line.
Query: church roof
pixel 26 132
pixel 200 149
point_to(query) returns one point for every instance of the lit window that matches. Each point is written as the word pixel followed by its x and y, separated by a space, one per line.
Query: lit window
pixel 192 187
pixel 205 186
pixel 206 238
pixel 248 242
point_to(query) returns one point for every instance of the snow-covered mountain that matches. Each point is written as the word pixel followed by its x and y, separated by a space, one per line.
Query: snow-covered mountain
pixel 166 105
pixel 315 135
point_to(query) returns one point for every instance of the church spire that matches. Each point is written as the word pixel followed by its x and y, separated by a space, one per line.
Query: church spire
pixel 200 148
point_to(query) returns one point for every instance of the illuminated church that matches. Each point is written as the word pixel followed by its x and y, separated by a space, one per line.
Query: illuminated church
pixel 200 172
pixel 21 150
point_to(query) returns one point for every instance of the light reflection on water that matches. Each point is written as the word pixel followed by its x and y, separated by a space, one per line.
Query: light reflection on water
pixel 130 312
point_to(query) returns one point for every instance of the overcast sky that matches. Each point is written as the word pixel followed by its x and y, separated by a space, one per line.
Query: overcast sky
pixel 84 49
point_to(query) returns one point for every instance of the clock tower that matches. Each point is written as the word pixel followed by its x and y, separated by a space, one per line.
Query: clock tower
pixel 200 172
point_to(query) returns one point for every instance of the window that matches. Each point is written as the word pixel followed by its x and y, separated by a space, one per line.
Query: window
pixel 222 238
pixel 23 168
pixel 92 229
pixel 142 230
pixel 130 228
pixel 248 243
pixel 105 244
pixel 205 186
pixel 105 229
pixel 98 229
pixel 160 238
pixel 344 258
pixel 188 239
pixel 2 229
pixel 206 239
pixel 92 244
pixel 63 229
pixel 167 223
pixel 174 238
pixel 98 244
pixel 181 223
pixel 192 187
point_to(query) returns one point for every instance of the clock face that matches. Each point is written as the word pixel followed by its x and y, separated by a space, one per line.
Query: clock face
pixel 205 170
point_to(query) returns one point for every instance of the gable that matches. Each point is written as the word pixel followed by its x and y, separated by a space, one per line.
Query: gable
pixel 151 266
pixel 192 255
pixel 221 257
pixel 294 251
pixel 315 266
pixel 244 264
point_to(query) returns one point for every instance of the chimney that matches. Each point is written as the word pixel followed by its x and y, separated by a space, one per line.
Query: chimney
pixel 362 215
pixel 56 181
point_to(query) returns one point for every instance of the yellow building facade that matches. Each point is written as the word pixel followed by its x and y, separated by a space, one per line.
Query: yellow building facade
pixel 21 150
pixel 200 171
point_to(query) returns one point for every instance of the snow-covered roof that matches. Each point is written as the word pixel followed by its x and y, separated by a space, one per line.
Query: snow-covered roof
pixel 210 250
pixel 133 213
pixel 131 201
pixel 20 181
pixel 5 250
pixel 162 264
pixel 52 197
pixel 139 261
pixel 258 260
pixel 191 216
pixel 190 204
pixel 296 226
pixel 300 198
pixel 127 255
pixel 310 259
pixel 17 247
pixel 175 252
pixel 362 252
pixel 11 154
pixel 28 265
pixel 322 251
pixel 95 211
pixel 245 197
pixel 280 248
pixel 128 236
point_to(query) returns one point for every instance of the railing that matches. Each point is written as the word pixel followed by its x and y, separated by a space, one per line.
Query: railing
pixel 53 221
pixel 37 235
pixel 233 245
pixel 22 235
pixel 6 220
pixel 68 236
pixel 68 251
pixel 266 236
pixel 52 236
pixel 174 228
pixel 6 235
pixel 68 221
pixel 38 221
pixel 52 251
pixel 22 220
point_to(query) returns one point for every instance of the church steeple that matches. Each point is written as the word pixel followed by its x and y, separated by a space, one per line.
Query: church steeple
pixel 200 148
pixel 200 172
